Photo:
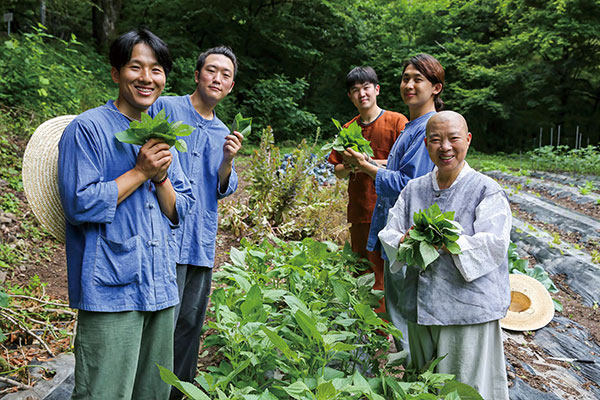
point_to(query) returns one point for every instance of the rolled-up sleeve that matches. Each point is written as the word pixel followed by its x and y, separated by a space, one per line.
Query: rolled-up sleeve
pixel 486 249
pixel 415 162
pixel 231 185
pixel 86 195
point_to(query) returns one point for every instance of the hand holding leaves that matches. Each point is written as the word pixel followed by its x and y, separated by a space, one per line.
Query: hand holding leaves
pixel 350 137
pixel 432 230
pixel 158 127
pixel 241 124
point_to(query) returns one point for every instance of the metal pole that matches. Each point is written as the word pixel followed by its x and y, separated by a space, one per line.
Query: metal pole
pixel 576 136
pixel 551 134
pixel 43 12
pixel 540 138
pixel 558 138
pixel 8 28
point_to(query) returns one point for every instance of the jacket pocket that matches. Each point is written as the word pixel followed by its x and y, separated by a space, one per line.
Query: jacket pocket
pixel 118 264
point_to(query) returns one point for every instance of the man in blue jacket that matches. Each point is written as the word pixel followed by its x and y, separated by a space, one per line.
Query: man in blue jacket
pixel 208 164
pixel 121 202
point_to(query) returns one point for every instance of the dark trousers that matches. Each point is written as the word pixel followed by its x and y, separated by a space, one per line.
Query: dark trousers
pixel 194 284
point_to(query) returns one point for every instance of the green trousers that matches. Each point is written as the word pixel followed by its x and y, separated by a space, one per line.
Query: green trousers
pixel 116 354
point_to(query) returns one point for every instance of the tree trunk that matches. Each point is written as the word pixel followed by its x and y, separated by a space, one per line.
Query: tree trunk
pixel 105 14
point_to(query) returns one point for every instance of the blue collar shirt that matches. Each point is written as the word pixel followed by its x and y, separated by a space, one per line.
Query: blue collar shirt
pixel 118 256
pixel 194 243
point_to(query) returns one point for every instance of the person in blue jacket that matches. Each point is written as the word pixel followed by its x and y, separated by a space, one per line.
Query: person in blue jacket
pixel 421 87
pixel 208 164
pixel 121 202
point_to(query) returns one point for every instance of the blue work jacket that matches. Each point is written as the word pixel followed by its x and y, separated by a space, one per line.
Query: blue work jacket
pixel 118 256
pixel 194 242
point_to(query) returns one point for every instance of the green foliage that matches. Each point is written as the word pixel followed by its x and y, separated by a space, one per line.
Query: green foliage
pixel 284 199
pixel 291 322
pixel 518 265
pixel 51 76
pixel 242 125
pixel 432 230
pixel 350 137
pixel 275 102
pixel 587 188
pixel 139 132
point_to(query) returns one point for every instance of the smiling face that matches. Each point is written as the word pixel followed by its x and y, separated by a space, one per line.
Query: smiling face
pixel 214 80
pixel 364 95
pixel 447 142
pixel 418 92
pixel 141 80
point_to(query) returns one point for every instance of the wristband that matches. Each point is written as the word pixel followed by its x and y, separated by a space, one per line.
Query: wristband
pixel 161 182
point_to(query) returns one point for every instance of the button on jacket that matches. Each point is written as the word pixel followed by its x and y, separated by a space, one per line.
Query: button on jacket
pixel 118 256
pixel 194 243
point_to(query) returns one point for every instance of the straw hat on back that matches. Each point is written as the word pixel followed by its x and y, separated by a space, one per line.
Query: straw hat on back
pixel 40 175
pixel 531 306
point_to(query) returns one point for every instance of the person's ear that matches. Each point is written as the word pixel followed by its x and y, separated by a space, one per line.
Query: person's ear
pixel 469 136
pixel 114 74
pixel 425 140
pixel 231 88
pixel 377 90
pixel 437 88
pixel 196 76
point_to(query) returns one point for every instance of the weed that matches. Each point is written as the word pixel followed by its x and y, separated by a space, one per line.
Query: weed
pixel 556 238
pixel 587 188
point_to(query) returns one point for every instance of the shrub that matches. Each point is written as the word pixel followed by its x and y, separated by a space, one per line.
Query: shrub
pixel 51 76
pixel 285 199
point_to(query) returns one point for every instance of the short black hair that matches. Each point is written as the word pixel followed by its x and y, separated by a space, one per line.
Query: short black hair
pixel 224 50
pixel 361 75
pixel 121 49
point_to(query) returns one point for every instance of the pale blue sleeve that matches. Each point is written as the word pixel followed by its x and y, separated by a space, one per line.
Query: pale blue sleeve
pixel 86 194
pixel 415 162
pixel 184 196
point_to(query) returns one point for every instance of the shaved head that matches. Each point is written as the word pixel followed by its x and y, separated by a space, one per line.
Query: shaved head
pixel 444 117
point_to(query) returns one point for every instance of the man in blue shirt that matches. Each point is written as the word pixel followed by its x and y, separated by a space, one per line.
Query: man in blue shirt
pixel 208 164
pixel 121 202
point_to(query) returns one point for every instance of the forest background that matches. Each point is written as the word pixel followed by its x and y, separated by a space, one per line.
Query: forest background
pixel 513 67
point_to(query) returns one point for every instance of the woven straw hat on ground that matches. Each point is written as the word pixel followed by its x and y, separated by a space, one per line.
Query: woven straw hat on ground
pixel 40 175
pixel 531 306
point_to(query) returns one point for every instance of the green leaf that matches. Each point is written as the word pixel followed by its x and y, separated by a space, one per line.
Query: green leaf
pixel 241 124
pixel 279 343
pixel 308 326
pixel 186 388
pixel 465 391
pixel 428 253
pixel 326 391
pixel 181 145
pixel 139 132
pixel 296 389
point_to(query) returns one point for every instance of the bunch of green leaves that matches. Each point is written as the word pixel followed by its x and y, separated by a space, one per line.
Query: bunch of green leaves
pixel 518 265
pixel 290 321
pixel 139 132
pixel 350 137
pixel 431 230
pixel 242 125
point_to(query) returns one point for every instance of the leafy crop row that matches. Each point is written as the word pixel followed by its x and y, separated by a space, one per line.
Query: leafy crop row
pixel 290 321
